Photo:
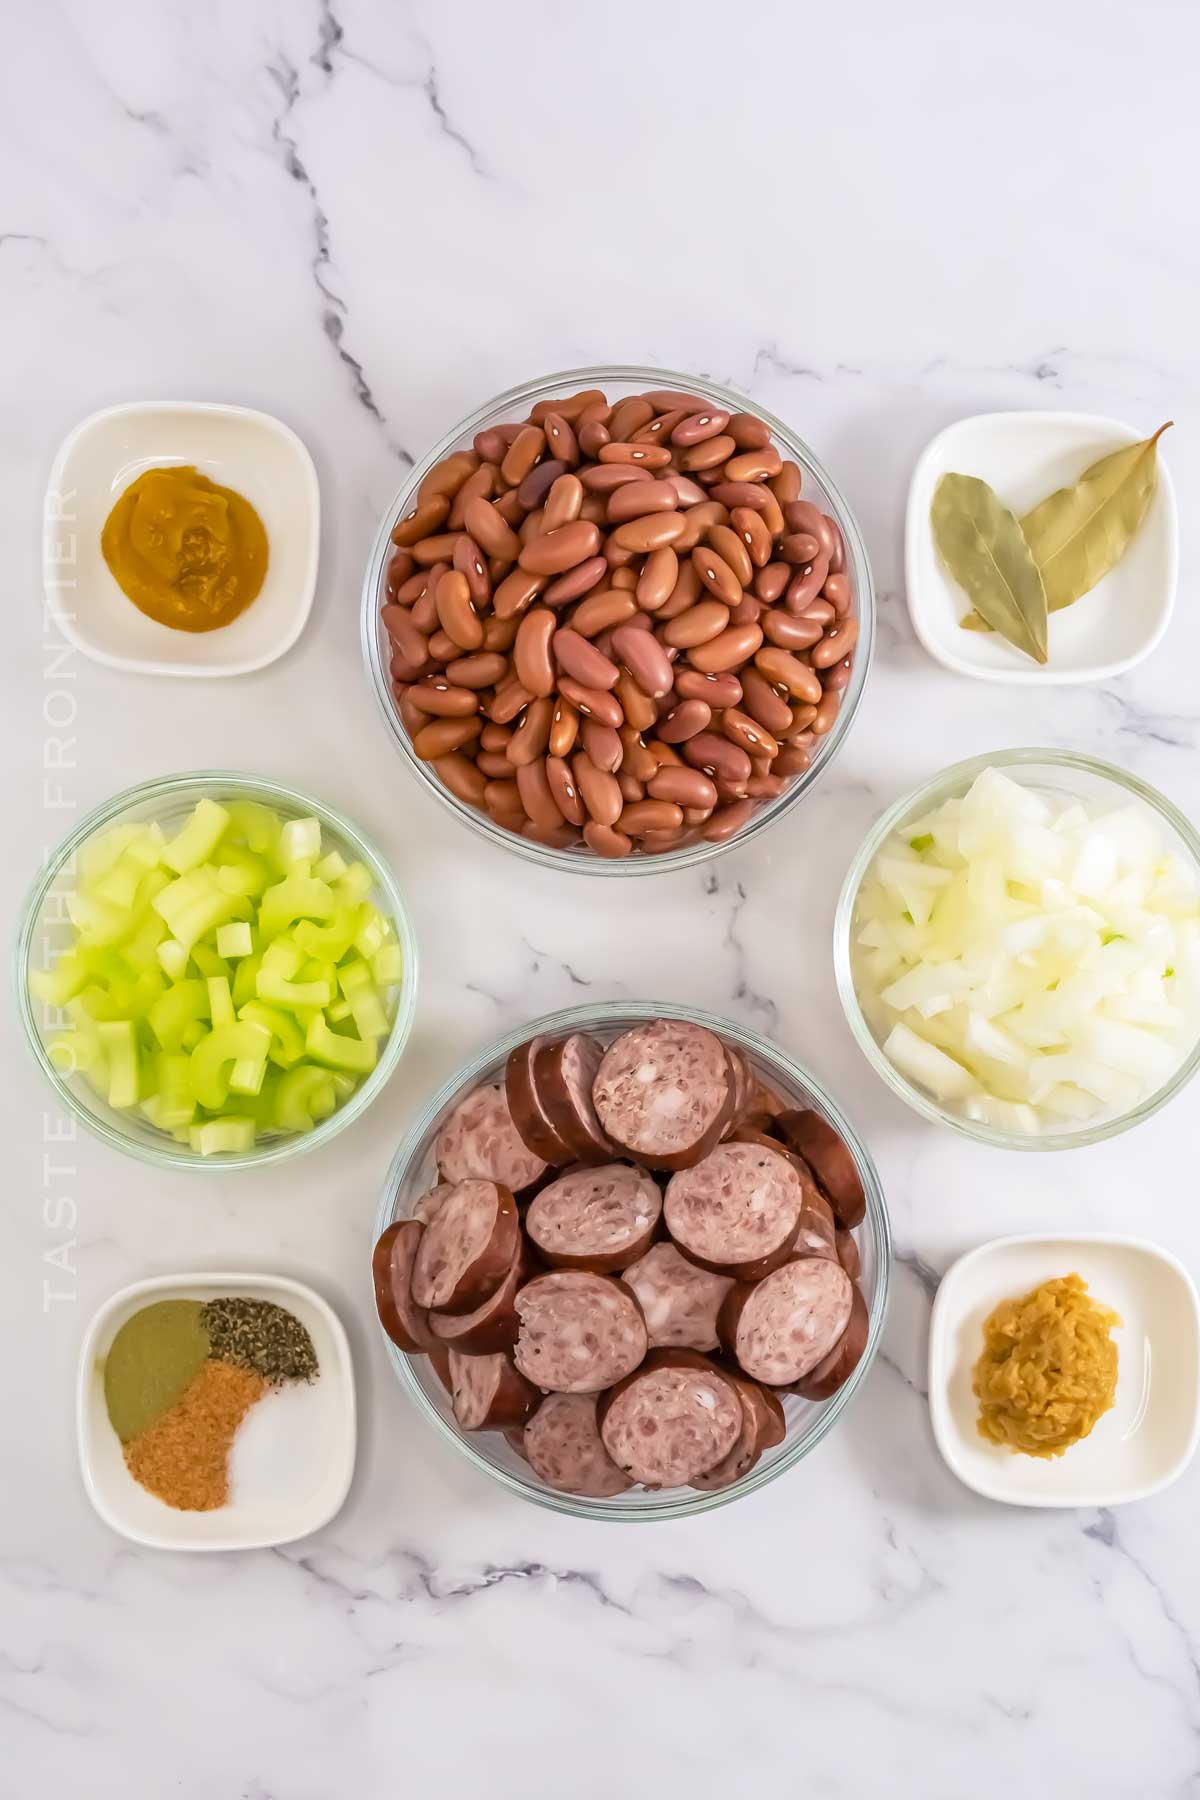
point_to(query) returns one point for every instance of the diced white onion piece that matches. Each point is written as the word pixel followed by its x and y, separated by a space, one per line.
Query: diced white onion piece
pixel 928 1066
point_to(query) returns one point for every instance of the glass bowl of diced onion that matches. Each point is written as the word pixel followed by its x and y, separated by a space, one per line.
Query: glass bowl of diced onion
pixel 1017 949
pixel 216 971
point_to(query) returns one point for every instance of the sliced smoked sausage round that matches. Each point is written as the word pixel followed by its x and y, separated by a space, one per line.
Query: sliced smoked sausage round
pixel 763 1424
pixel 563 1446
pixel 526 1108
pixel 680 1301
pixel 737 1212
pixel 579 1333
pixel 406 1323
pixel 480 1142
pixel 489 1392
pixel 564 1074
pixel 671 1420
pixel 492 1326
pixel 843 1359
pixel 778 1329
pixel 848 1254
pixel 427 1204
pixel 467 1249
pixel 831 1162
pixel 664 1092
pixel 600 1219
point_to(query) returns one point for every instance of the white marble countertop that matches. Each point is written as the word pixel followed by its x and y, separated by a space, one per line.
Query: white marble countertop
pixel 874 220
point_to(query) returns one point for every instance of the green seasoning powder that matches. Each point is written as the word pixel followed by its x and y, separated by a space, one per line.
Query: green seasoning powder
pixel 152 1360
pixel 257 1335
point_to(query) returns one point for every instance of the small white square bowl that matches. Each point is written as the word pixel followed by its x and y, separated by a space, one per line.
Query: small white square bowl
pixel 1147 1437
pixel 258 456
pixel 326 1465
pixel 1025 456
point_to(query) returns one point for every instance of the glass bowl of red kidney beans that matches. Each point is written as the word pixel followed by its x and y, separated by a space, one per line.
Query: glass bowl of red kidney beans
pixel 618 620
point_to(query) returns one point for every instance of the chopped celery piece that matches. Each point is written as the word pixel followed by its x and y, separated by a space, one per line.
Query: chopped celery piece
pixel 180 895
pixel 119 1042
pixel 278 992
pixel 282 958
pixel 198 839
pixel 146 846
pixel 101 852
pixel 355 884
pixel 287 1039
pixel 209 962
pixel 387 965
pixel 298 896
pixel 78 1051
pixel 174 1011
pixel 226 1133
pixel 119 887
pixel 339 1052
pixel 247 1075
pixel 220 1001
pixel 331 866
pixel 354 975
pixel 300 841
pixel 241 872
pixel 372 933
pixel 193 1033
pixel 245 979
pixel 256 823
pixel 369 1014
pixel 234 940
pixel 58 985
pixel 303 1095
pixel 328 941
pixel 217 909
pixel 142 948
pixel 223 1046
pixel 176 1102
pixel 96 921
pixel 337 1011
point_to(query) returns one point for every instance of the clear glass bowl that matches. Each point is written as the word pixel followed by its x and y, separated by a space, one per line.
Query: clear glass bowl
pixel 413 1170
pixel 45 931
pixel 1058 774
pixel 617 382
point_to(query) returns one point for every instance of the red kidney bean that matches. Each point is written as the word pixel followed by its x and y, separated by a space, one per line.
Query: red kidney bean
pixel 592 434
pixel 571 407
pixel 554 552
pixel 561 441
pixel 806 585
pixel 837 592
pixel 787 483
pixel 480 485
pixel 837 562
pixel 707 619
pixel 684 721
pixel 602 744
pixel 443 735
pixel 728 651
pixel 748 432
pixel 564 728
pixel 764 703
pixel 730 548
pixel 456 613
pixel 423 520
pixel 685 787
pixel 630 415
pixel 605 840
pixel 747 611
pixel 495 765
pixel 538 482
pixel 635 499
pixel 645 658
pixel 489 530
pixel 636 758
pixel 490 445
pixel 748 734
pixel 835 645
pixel 655 531
pixel 443 701
pixel 687 492
pixel 563 503
pixel 563 790
pixel 780 627
pixel 601 611
pixel 516 592
pixel 716 575
pixel 532 660
pixel 593 703
pixel 712 453
pixel 470 564
pixel 826 712
pixel 699 427
pixel 727 821
pixel 802 515
pixel 637 707
pixel 606 477
pixel 583 660
pixel 650 815
pixel 599 790
pixel 656 583
pixel 522 453
pixel 579 580
pixel 631 788
pixel 718 690
pixel 717 756
pixel 532 735
pixel 494 737
pixel 753 535
pixel 639 456
pixel 754 465
pixel 461 776
pixel 800 547
pixel 481 671
pixel 787 671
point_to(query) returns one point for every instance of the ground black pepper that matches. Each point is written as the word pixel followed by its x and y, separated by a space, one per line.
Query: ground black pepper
pixel 257 1335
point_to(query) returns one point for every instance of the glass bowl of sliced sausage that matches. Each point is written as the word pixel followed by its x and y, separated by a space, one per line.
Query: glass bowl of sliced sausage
pixel 632 1261
pixel 618 619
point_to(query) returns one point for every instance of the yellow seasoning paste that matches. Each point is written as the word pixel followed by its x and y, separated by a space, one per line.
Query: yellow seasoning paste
pixel 187 552
pixel 1048 1369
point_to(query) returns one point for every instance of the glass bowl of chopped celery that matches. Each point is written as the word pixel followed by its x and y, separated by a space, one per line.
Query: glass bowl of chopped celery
pixel 1017 949
pixel 217 971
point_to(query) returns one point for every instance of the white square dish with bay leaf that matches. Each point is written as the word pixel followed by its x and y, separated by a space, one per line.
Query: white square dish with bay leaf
pixel 1128 520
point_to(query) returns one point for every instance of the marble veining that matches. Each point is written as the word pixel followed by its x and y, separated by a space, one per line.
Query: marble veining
pixel 367 219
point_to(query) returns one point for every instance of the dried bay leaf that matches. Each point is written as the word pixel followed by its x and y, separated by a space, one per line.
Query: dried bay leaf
pixel 982 545
pixel 1077 534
